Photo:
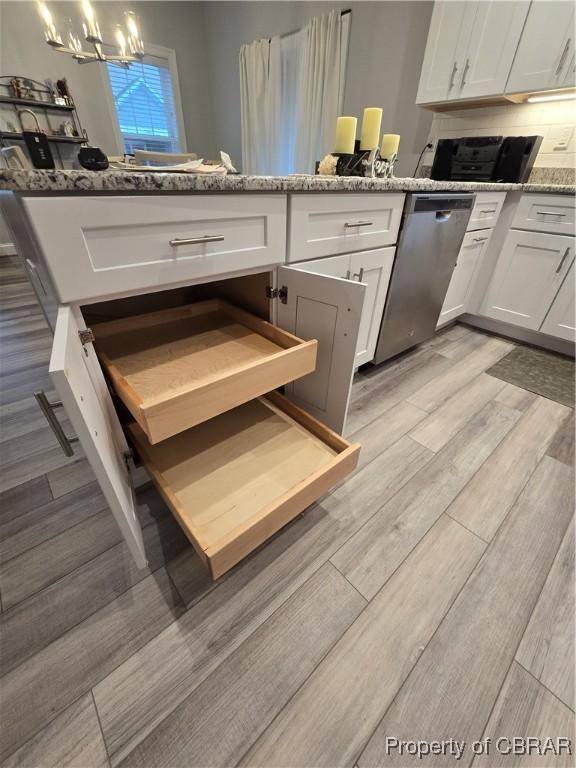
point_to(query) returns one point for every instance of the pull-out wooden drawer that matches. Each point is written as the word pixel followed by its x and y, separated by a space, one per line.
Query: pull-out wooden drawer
pixel 546 213
pixel 97 247
pixel 329 224
pixel 486 210
pixel 181 366
pixel 234 481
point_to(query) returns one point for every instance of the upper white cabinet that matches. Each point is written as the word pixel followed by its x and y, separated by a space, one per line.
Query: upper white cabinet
pixel 440 67
pixel 561 319
pixel 486 56
pixel 544 58
pixel 530 269
pixel 470 49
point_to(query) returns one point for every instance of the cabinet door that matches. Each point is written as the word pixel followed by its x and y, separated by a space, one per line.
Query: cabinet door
pixel 529 272
pixel 73 370
pixel 439 72
pixel 545 48
pixel 469 259
pixel 488 52
pixel 561 319
pixel 373 268
pixel 328 309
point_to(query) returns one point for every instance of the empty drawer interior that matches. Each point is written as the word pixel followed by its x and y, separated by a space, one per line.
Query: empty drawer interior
pixel 177 367
pixel 236 479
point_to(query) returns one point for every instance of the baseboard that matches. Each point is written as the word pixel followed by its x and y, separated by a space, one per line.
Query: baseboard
pixel 515 333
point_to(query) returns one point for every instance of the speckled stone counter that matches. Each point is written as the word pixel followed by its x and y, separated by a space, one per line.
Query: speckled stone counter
pixel 121 182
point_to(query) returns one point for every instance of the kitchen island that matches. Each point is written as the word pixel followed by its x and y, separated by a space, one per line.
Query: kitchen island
pixel 180 303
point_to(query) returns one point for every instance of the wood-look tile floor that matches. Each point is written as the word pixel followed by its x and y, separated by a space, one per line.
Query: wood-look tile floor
pixel 430 596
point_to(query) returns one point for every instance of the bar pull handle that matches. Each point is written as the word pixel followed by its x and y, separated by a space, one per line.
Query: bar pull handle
pixel 480 239
pixel 562 58
pixel 359 275
pixel 453 75
pixel 466 68
pixel 563 259
pixel 492 210
pixel 350 224
pixel 196 240
pixel 347 275
pixel 550 213
pixel 47 409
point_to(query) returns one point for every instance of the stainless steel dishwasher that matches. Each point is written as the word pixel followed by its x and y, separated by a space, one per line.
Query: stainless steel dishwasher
pixel 433 227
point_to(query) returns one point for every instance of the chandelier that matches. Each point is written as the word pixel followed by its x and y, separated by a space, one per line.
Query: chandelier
pixel 128 46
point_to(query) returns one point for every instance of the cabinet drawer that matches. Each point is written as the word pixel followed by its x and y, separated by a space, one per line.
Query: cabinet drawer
pixel 545 213
pixel 181 366
pixel 328 225
pixel 102 246
pixel 234 481
pixel 486 210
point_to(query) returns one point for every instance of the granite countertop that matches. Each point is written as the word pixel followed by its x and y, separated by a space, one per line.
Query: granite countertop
pixel 140 181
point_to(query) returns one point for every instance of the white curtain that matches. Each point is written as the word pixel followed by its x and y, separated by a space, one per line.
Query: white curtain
pixel 291 93
pixel 320 93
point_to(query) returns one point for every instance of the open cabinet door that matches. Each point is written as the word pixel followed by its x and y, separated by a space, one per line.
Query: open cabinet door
pixel 328 309
pixel 90 409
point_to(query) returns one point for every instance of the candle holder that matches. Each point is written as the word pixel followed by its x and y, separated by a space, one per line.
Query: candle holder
pixel 384 167
pixel 364 163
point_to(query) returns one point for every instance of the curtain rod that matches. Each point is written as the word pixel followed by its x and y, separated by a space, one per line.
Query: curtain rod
pixel 294 31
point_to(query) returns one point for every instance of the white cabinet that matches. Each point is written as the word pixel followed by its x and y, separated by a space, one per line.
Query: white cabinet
pixel 469 262
pixel 544 56
pixel 529 272
pixel 486 56
pixel 546 213
pixel 440 65
pixel 372 269
pixel 470 49
pixel 487 208
pixel 328 224
pixel 97 247
pixel 561 319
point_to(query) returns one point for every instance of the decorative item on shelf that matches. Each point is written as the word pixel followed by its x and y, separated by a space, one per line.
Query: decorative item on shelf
pixel 128 46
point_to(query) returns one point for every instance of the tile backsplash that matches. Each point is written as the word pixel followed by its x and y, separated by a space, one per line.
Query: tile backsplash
pixel 554 121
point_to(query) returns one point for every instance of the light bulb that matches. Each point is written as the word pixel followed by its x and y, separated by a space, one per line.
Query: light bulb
pixel 135 44
pixel 120 40
pixel 50 32
pixel 91 28
pixel 551 97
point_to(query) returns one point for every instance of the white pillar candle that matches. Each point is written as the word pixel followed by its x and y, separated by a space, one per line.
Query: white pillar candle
pixel 390 144
pixel 345 135
pixel 371 128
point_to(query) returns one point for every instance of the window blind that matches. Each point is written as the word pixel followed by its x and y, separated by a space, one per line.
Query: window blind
pixel 144 99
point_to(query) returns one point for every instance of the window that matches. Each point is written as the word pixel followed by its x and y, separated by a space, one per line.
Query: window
pixel 145 99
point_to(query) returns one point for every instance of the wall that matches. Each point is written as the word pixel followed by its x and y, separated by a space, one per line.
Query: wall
pixel 554 121
pixel 387 41
pixel 176 25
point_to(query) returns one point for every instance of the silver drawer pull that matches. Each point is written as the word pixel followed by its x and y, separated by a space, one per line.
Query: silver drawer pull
pixel 562 58
pixel 453 75
pixel 492 211
pixel 480 239
pixel 562 260
pixel 47 409
pixel 550 213
pixel 196 240
pixel 359 275
pixel 350 224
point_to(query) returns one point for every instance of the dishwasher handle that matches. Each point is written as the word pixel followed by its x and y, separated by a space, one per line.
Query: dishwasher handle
pixel 443 215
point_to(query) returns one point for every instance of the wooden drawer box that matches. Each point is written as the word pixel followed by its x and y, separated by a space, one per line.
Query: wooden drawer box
pixel 234 481
pixel 331 224
pixel 181 366
pixel 545 213
pixel 486 210
pixel 97 247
